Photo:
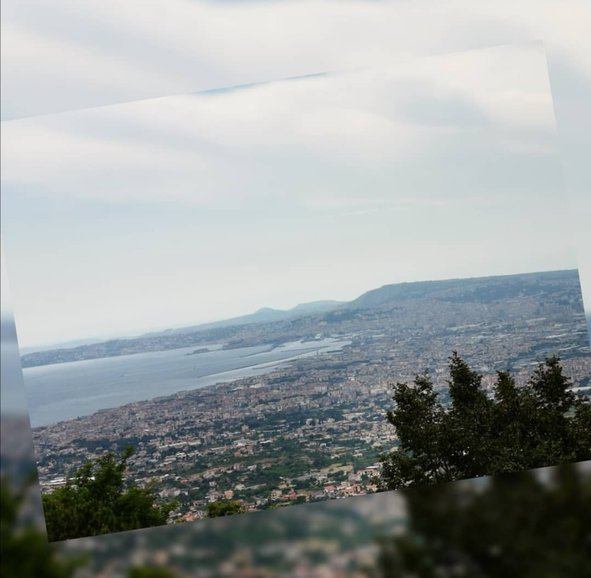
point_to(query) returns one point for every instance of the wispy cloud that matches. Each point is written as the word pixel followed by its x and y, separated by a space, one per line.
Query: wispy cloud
pixel 70 54
pixel 179 209
pixel 277 135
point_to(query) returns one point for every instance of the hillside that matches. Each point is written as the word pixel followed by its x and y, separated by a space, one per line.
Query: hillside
pixel 485 301
pixel 476 290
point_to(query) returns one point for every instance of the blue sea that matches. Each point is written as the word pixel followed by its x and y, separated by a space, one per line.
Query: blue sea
pixel 68 390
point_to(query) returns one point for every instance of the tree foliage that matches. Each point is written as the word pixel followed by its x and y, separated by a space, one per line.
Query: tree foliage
pixel 224 508
pixel 514 525
pixel 513 428
pixel 97 501
pixel 24 550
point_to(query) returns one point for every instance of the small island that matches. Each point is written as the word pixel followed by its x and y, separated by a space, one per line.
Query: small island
pixel 198 351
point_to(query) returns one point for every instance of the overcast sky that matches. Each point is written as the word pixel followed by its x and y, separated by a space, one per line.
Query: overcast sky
pixel 80 53
pixel 191 208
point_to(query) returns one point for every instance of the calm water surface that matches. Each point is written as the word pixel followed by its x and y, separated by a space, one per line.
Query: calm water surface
pixel 69 390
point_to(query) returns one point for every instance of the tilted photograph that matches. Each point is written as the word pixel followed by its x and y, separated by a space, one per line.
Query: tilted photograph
pixel 295 291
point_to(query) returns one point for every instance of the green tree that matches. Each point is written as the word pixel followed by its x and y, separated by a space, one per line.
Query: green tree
pixel 24 550
pixel 543 423
pixel 417 420
pixel 97 501
pixel 224 508
pixel 513 525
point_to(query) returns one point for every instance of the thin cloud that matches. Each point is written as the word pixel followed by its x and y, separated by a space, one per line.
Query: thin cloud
pixel 181 209
pixel 68 55
pixel 180 147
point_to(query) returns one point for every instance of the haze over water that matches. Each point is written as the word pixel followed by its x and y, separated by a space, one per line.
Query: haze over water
pixel 70 390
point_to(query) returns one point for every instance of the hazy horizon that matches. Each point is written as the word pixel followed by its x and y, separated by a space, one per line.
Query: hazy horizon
pixel 193 208
pixel 131 333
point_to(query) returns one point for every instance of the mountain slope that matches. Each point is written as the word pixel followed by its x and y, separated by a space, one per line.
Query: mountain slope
pixel 477 289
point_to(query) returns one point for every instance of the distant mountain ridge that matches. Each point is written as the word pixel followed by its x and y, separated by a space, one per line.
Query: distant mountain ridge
pixel 480 289
pixel 262 315
pixel 304 321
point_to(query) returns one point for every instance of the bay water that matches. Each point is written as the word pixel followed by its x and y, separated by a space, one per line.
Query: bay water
pixel 69 390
